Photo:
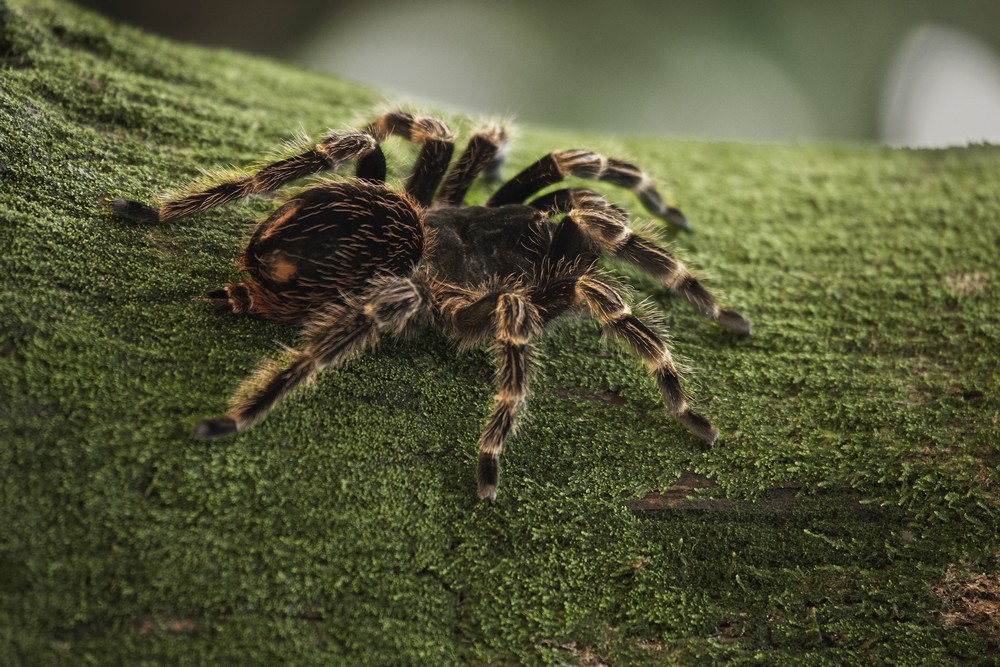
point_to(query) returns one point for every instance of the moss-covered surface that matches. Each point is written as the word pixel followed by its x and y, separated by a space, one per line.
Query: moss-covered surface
pixel 345 528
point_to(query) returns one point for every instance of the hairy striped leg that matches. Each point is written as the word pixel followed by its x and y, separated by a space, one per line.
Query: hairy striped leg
pixel 390 308
pixel 608 227
pixel 616 317
pixel 485 151
pixel 514 320
pixel 334 150
pixel 437 145
pixel 559 165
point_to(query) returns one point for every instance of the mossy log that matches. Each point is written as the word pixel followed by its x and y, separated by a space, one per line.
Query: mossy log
pixel 345 529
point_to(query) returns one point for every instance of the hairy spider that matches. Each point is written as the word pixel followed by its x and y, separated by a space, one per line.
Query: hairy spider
pixel 354 260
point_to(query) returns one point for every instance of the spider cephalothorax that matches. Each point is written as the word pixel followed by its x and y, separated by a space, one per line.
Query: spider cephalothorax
pixel 354 260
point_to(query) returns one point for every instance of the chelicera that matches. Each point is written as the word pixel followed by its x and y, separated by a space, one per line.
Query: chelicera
pixel 353 260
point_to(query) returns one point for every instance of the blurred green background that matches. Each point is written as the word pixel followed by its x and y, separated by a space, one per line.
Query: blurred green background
pixel 907 72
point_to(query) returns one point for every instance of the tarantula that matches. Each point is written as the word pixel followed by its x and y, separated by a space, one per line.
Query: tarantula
pixel 355 260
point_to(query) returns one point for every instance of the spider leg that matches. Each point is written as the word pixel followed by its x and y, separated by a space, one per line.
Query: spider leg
pixel 391 308
pixel 608 227
pixel 514 320
pixel 432 161
pixel 559 165
pixel 565 200
pixel 483 152
pixel 616 317
pixel 335 149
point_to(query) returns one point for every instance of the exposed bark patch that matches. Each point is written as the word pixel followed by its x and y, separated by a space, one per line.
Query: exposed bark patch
pixel 971 600
pixel 681 496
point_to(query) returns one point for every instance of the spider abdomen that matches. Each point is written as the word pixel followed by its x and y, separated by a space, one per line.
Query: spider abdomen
pixel 324 244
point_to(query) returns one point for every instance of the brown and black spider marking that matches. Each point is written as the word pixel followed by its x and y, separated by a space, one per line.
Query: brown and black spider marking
pixel 355 260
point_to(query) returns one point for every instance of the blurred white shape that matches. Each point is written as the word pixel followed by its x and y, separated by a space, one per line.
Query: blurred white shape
pixel 943 89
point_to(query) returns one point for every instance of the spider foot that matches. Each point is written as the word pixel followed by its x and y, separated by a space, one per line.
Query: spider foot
pixel 488 476
pixel 699 425
pixel 215 427
pixel 220 299
pixel 676 218
pixel 232 299
pixel 730 320
pixel 135 211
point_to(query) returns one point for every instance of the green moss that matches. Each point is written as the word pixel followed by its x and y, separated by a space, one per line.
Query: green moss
pixel 345 529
